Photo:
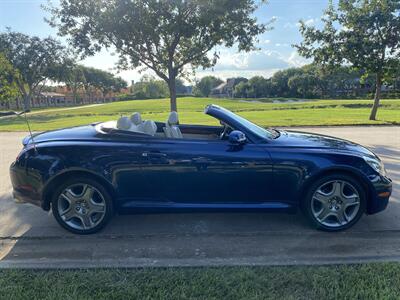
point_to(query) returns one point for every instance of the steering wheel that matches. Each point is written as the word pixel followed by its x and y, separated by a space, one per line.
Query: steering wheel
pixel 223 133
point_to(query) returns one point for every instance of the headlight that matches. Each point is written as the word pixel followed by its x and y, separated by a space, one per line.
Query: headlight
pixel 375 164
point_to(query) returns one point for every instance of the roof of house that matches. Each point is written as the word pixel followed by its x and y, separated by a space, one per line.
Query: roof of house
pixel 220 87
pixel 51 94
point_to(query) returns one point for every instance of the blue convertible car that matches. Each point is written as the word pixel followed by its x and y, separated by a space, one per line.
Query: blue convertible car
pixel 85 174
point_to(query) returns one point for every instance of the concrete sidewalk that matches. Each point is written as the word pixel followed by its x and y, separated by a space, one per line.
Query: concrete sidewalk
pixel 30 237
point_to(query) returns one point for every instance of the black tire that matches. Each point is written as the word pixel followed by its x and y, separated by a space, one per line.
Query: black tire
pixel 308 202
pixel 100 192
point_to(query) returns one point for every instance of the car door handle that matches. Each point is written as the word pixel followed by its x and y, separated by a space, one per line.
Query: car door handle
pixel 154 154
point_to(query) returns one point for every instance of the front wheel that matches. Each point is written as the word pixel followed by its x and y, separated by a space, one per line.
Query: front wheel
pixel 82 206
pixel 335 203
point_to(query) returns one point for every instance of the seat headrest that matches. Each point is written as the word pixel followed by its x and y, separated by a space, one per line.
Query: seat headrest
pixel 136 118
pixel 124 123
pixel 173 118
pixel 149 127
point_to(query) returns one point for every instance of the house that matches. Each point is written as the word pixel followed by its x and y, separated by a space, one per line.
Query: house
pixel 226 89
pixel 187 90
pixel 184 89
pixel 45 99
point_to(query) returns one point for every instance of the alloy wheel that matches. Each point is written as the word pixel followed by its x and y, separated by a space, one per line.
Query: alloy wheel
pixel 81 206
pixel 335 203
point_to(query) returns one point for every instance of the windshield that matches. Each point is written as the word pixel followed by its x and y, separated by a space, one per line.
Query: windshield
pixel 257 130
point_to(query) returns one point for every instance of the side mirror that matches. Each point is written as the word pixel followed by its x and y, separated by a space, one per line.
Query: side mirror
pixel 237 137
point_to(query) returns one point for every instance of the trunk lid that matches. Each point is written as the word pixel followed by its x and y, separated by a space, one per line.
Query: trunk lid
pixel 79 133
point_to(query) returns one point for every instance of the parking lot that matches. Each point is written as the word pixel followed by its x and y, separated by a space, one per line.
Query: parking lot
pixel 30 237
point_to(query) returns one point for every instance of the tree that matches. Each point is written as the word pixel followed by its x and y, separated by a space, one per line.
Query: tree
pixel 304 84
pixel 242 90
pixel 148 87
pixel 256 87
pixel 118 84
pixel 206 84
pixel 180 86
pixel 72 75
pixel 343 81
pixel 259 87
pixel 75 80
pixel 96 79
pixel 90 84
pixel 8 88
pixel 34 59
pixel 362 33
pixel 162 35
pixel 280 82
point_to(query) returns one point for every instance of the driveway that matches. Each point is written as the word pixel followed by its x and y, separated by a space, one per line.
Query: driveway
pixel 29 237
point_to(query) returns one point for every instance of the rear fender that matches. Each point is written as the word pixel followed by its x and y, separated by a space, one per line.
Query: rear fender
pixel 50 186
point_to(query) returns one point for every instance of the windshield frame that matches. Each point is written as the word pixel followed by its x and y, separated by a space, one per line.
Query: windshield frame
pixel 253 131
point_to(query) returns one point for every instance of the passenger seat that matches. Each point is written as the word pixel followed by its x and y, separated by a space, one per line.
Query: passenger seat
pixel 137 122
pixel 149 127
pixel 124 123
pixel 171 129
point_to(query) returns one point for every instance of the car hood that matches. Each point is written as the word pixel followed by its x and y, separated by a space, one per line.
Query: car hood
pixel 78 133
pixel 300 139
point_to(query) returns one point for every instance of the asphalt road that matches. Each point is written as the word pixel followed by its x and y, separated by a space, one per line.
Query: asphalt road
pixel 29 237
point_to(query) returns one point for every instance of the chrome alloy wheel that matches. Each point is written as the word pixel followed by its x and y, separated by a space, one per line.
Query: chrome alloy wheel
pixel 335 203
pixel 81 206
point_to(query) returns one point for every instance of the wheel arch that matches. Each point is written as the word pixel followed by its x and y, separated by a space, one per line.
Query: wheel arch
pixel 55 181
pixel 355 174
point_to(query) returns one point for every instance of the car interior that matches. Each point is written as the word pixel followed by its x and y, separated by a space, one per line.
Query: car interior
pixel 170 129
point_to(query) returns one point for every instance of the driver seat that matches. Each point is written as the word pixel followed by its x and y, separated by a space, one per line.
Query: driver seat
pixel 137 123
pixel 171 129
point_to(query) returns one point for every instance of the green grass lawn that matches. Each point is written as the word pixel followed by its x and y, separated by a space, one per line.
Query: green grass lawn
pixel 265 113
pixel 368 281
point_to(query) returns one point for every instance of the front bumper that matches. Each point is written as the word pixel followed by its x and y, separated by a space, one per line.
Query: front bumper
pixel 379 194
pixel 25 186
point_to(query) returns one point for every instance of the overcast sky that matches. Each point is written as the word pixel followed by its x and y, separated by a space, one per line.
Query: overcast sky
pixel 276 45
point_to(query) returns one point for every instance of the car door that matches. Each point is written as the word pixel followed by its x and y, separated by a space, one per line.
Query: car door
pixel 208 171
pixel 123 162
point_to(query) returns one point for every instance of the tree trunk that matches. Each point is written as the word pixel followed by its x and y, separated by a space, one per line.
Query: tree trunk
pixel 75 99
pixel 27 102
pixel 172 93
pixel 374 110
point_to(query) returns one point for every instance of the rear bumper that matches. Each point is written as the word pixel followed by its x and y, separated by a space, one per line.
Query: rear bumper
pixel 25 187
pixel 380 194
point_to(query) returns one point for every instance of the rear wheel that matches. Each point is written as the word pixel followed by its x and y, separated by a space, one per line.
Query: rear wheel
pixel 335 202
pixel 82 206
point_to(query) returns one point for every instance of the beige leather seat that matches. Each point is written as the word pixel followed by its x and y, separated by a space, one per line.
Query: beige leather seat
pixel 149 127
pixel 137 123
pixel 171 129
pixel 124 123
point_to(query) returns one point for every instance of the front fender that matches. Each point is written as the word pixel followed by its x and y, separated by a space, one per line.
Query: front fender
pixel 340 169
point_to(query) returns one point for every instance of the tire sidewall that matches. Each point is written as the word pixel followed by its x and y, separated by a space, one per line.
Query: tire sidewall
pixel 107 198
pixel 306 205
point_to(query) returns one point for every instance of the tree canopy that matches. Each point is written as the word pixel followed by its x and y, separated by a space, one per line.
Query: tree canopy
pixel 361 33
pixel 165 36
pixel 206 84
pixel 34 59
pixel 149 88
pixel 8 88
pixel 104 81
pixel 72 75
pixel 313 81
